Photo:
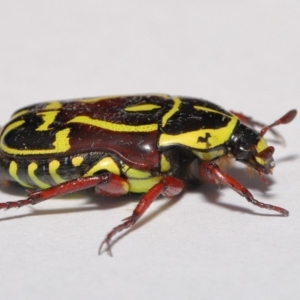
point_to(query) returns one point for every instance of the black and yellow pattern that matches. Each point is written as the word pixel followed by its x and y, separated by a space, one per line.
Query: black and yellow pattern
pixel 53 142
pixel 150 144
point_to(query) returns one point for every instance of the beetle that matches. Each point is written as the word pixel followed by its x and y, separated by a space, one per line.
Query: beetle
pixel 147 144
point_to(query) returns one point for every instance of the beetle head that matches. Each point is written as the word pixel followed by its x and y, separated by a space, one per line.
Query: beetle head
pixel 250 147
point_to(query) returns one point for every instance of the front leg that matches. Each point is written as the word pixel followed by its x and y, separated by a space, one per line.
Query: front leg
pixel 210 172
pixel 169 187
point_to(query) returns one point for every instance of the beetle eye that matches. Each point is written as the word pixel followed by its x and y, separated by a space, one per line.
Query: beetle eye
pixel 241 153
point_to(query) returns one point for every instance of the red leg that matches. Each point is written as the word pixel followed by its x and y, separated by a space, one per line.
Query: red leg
pixel 114 187
pixel 210 172
pixel 69 187
pixel 169 187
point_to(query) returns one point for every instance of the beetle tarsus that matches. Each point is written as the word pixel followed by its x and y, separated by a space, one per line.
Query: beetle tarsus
pixel 128 222
pixel 281 210
pixel 16 204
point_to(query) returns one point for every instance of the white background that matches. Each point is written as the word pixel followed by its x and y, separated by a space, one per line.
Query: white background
pixel 210 243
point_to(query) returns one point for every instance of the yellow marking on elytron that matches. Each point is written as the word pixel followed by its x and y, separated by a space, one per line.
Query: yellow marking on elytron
pixel 209 155
pixel 19 113
pixel 143 185
pixel 77 161
pixel 135 173
pixel 61 143
pixel 53 167
pixel 11 127
pixel 142 107
pixel 191 139
pixel 31 169
pixel 13 169
pixel 105 164
pixel 53 105
pixel 48 118
pixel 206 109
pixel 113 126
pixel 164 164
pixel 260 146
pixel 172 111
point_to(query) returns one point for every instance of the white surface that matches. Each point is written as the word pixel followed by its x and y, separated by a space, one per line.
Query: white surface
pixel 210 244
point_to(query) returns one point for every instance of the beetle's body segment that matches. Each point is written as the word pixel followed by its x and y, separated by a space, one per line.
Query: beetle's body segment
pixel 42 144
pixel 142 143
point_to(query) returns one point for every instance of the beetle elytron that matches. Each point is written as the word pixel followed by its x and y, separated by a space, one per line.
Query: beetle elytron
pixel 140 144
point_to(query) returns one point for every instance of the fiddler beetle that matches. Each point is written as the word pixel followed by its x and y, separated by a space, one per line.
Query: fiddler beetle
pixel 130 144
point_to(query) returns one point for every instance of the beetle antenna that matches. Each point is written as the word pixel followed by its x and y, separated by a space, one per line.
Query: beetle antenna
pixel 249 121
pixel 285 119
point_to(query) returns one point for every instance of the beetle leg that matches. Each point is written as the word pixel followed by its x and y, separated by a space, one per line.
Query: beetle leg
pixel 69 187
pixel 210 172
pixel 169 187
pixel 114 187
